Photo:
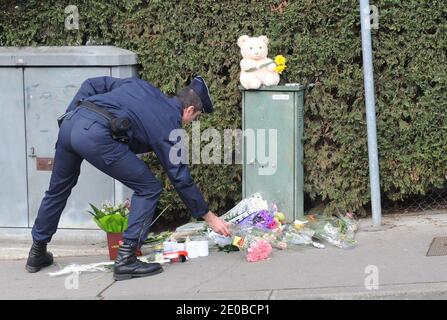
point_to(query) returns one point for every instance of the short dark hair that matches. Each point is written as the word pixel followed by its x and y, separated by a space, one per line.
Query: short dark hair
pixel 188 97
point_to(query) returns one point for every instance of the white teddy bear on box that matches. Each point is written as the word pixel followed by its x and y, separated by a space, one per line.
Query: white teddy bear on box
pixel 256 68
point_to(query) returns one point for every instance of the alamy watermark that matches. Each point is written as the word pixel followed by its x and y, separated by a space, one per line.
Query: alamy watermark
pixel 372 278
pixel 261 147
pixel 71 18
pixel 72 281
pixel 371 17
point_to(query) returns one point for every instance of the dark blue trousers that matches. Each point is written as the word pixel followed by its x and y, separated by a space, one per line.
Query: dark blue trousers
pixel 84 135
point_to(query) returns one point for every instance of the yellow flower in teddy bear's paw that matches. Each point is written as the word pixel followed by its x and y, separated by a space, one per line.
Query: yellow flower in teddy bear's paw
pixel 280 60
pixel 280 68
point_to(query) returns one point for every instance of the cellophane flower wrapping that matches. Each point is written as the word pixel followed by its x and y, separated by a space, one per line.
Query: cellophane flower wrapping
pixel 258 227
pixel 111 218
pixel 262 219
pixel 257 243
pixel 293 236
pixel 255 248
pixel 258 249
pixel 245 208
pixel 336 230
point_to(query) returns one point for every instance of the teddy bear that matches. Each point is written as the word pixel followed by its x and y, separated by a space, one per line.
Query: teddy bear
pixel 256 68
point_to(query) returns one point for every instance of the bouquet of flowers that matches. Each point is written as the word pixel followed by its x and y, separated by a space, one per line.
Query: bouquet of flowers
pixel 155 239
pixel 338 231
pixel 255 247
pixel 280 62
pixel 298 234
pixel 245 207
pixel 257 243
pixel 111 218
pixel 262 219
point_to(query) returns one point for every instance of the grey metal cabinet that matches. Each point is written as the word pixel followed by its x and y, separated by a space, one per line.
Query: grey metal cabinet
pixel 272 146
pixel 36 85
pixel 13 184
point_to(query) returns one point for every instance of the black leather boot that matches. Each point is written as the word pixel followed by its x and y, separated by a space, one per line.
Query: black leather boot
pixel 38 258
pixel 127 265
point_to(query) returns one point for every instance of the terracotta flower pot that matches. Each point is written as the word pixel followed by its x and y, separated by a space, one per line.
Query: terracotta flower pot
pixel 114 240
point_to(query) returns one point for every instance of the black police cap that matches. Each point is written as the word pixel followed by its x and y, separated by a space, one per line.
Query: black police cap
pixel 199 86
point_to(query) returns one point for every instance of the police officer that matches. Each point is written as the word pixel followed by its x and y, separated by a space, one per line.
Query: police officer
pixel 86 133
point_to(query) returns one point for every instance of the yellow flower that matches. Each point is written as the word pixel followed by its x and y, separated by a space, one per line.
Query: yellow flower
pixel 280 60
pixel 280 68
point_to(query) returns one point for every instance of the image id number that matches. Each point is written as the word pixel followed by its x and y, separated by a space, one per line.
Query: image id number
pixel 244 309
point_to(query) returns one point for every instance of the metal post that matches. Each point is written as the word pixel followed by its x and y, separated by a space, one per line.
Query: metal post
pixel 368 78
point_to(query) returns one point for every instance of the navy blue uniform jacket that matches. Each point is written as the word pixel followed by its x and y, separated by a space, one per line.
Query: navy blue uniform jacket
pixel 153 116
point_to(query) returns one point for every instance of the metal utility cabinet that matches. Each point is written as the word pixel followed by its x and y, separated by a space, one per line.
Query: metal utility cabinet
pixel 275 113
pixel 36 86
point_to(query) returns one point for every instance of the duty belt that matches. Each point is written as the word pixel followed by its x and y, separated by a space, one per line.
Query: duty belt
pixel 118 126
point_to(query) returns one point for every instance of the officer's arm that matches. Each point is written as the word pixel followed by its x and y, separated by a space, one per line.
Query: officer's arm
pixel 93 86
pixel 181 179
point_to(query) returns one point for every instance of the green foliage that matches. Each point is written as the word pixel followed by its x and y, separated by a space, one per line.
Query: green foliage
pixel 321 40
pixel 229 248
pixel 154 239
pixel 111 218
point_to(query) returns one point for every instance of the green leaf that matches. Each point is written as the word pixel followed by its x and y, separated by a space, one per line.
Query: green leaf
pixel 112 223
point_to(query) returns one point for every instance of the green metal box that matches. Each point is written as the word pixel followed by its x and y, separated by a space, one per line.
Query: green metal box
pixel 272 124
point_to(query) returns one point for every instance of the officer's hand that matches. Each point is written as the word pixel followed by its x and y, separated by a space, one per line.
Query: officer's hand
pixel 217 224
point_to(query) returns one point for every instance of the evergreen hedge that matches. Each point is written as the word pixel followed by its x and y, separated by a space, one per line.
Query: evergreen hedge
pixel 321 40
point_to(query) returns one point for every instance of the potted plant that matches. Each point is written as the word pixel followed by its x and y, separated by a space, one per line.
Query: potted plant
pixel 113 220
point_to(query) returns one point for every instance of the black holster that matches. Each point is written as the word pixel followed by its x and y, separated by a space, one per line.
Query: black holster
pixel 118 126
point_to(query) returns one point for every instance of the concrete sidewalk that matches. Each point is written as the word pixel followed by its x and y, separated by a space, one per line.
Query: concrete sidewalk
pixel 398 252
